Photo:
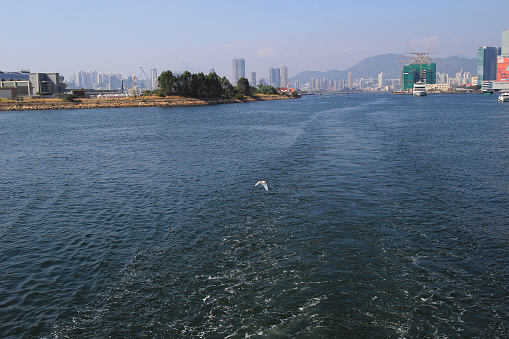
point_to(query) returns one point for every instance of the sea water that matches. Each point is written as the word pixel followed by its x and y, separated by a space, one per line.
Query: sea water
pixel 386 216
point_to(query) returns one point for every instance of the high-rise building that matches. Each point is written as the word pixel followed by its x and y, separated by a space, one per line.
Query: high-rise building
pixel 253 78
pixel 487 63
pixel 275 77
pixel 212 70
pixel 239 70
pixel 350 80
pixel 503 59
pixel 381 80
pixel 317 86
pixel 284 76
pixel 415 72
pixel 505 43
pixel 153 78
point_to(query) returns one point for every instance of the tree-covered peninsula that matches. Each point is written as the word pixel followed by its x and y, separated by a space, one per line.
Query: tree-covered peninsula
pixel 174 90
pixel 207 86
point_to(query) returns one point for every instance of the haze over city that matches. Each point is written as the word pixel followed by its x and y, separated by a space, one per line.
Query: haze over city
pixel 120 36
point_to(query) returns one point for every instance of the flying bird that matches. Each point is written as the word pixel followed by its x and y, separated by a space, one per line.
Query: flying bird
pixel 264 184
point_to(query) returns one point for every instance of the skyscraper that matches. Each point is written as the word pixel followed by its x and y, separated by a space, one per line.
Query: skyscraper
pixel 239 70
pixel 284 76
pixel 487 63
pixel 350 80
pixel 153 79
pixel 381 80
pixel 275 77
pixel 503 59
pixel 505 43
pixel 253 78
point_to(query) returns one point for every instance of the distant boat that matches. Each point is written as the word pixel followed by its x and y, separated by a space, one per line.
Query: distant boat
pixel 419 89
pixel 504 97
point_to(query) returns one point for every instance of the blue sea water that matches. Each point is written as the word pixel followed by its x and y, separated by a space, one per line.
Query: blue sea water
pixel 386 217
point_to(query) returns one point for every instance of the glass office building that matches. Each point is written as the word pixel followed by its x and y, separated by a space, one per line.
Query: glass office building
pixel 487 63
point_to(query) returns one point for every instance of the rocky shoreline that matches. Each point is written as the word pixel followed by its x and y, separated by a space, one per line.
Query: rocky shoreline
pixel 142 101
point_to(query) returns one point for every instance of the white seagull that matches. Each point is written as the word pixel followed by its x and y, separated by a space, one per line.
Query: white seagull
pixel 264 184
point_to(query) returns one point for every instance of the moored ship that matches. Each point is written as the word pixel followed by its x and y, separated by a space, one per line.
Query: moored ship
pixel 419 89
pixel 504 97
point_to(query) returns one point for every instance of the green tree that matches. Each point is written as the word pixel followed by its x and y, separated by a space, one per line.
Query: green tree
pixel 167 82
pixel 214 85
pixel 195 85
pixel 227 87
pixel 267 89
pixel 243 86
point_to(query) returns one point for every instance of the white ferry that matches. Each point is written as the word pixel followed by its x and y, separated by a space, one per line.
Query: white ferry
pixel 504 97
pixel 419 89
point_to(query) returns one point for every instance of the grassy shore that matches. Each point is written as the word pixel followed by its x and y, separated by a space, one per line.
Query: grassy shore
pixel 139 101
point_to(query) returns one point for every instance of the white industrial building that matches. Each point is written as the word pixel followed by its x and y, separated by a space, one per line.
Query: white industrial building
pixel 26 84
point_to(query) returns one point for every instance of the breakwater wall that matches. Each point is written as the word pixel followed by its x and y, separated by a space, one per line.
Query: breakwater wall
pixel 47 104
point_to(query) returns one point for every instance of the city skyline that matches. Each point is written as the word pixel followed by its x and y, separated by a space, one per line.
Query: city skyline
pixel 120 37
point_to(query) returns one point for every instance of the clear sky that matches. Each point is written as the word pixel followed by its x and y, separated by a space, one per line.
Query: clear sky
pixel 120 36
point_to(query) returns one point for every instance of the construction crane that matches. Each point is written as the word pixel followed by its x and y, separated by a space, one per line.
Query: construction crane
pixel 418 58
pixel 146 77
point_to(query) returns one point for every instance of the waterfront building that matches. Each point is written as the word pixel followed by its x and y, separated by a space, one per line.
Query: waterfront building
pixel 284 77
pixel 239 70
pixel 487 63
pixel 413 73
pixel 29 84
pixel 437 87
pixel 253 79
pixel 503 69
pixel 503 59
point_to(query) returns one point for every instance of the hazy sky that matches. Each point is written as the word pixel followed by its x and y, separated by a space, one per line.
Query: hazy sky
pixel 120 36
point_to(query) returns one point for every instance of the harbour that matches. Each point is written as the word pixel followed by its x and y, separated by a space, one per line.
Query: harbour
pixel 385 216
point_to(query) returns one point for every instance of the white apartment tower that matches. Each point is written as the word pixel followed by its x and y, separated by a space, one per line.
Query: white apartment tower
pixel 381 80
pixel 284 76
pixel 239 70
pixel 153 79
pixel 275 77
pixel 505 43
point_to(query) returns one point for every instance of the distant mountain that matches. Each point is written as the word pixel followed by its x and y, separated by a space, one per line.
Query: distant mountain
pixel 388 64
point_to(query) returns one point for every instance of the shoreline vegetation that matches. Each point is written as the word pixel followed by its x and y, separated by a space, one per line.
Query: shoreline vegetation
pixel 138 101
pixel 184 89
